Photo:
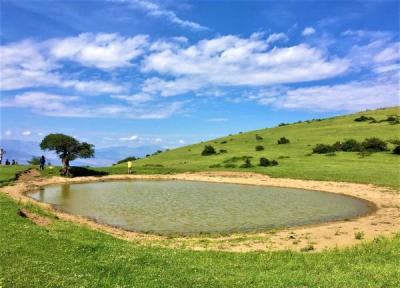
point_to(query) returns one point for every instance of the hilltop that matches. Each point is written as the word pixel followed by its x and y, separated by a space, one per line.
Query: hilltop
pixel 295 159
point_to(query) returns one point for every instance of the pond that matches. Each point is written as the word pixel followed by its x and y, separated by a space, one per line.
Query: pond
pixel 190 207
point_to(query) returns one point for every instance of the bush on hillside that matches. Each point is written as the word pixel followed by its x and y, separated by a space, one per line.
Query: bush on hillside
pixel 230 165
pixel 364 118
pixel 323 149
pixel 394 141
pixel 259 148
pixel 283 140
pixel 224 142
pixel 34 161
pixel 264 162
pixel 246 164
pixel 132 158
pixel 350 145
pixel 396 150
pixel 374 144
pixel 208 150
pixel 259 138
pixel 222 151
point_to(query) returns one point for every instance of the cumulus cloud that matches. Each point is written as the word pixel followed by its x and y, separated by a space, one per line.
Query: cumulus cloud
pixel 104 51
pixel 308 31
pixel 30 64
pixel 155 10
pixel 234 61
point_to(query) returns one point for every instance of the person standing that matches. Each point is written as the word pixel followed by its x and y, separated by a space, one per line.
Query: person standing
pixel 2 152
pixel 42 162
pixel 129 167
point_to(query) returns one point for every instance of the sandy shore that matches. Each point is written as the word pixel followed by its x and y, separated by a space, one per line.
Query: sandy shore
pixel 383 220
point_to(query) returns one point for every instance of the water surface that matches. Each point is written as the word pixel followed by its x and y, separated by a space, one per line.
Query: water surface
pixel 172 206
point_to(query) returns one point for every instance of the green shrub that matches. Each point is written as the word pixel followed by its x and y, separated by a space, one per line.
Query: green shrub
pixel 363 118
pixel 259 138
pixel 396 150
pixel 222 151
pixel 374 144
pixel 394 141
pixel 133 158
pixel 323 149
pixel 34 161
pixel 264 162
pixel 259 148
pixel 350 145
pixel 337 146
pixel 246 164
pixel 208 150
pixel 224 142
pixel 283 140
pixel 230 165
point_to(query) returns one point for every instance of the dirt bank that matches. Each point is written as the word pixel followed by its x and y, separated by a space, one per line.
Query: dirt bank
pixel 384 220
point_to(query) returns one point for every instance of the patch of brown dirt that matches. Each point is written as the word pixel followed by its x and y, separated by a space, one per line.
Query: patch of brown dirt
pixel 28 175
pixel 37 219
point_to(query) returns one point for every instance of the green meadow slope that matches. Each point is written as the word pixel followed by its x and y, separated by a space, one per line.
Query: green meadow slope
pixel 295 159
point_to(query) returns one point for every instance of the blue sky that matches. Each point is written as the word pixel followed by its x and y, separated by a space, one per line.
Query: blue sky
pixel 170 73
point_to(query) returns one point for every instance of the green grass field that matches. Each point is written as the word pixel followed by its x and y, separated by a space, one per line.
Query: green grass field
pixel 66 254
pixel 295 160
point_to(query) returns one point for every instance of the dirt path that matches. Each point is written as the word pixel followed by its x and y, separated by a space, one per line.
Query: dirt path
pixel 385 220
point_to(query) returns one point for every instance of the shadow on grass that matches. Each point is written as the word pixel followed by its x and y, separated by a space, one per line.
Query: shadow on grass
pixel 84 171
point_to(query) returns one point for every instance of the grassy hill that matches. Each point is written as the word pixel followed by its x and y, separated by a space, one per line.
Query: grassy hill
pixel 295 159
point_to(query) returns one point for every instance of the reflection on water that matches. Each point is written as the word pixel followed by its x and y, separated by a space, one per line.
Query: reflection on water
pixel 171 206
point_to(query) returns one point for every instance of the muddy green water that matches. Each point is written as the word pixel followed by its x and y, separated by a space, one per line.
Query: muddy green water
pixel 171 206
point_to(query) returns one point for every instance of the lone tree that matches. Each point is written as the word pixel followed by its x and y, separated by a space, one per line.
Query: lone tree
pixel 67 148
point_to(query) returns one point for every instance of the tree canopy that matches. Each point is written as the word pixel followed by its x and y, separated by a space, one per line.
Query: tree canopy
pixel 67 148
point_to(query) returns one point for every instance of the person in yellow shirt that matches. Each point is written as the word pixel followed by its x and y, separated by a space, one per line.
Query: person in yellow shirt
pixel 129 167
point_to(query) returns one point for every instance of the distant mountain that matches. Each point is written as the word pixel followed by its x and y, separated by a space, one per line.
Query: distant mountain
pixel 22 151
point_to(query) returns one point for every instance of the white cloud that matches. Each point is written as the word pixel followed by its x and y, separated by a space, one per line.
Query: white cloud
pixel 130 138
pixel 276 37
pixel 28 64
pixel 71 106
pixel 181 141
pixel 351 96
pixel 155 10
pixel 308 31
pixel 26 133
pixel 135 98
pixel 8 132
pixel 233 61
pixel 104 51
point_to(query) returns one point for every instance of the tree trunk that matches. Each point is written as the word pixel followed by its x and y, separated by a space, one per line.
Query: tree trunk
pixel 65 167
